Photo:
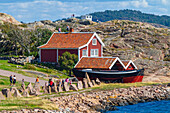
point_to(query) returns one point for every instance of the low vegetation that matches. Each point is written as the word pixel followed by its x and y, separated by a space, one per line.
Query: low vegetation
pixel 4 65
pixel 111 86
pixel 132 15
pixel 27 103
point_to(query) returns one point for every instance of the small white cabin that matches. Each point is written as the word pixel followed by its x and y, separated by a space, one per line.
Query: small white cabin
pixel 87 17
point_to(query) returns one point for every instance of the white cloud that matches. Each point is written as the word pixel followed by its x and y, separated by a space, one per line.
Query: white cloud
pixel 53 10
pixel 140 3
pixel 164 2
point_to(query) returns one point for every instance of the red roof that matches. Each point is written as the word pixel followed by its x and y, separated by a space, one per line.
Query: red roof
pixel 67 40
pixel 125 62
pixel 97 62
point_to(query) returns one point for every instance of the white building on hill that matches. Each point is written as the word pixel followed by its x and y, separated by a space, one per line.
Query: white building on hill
pixel 87 17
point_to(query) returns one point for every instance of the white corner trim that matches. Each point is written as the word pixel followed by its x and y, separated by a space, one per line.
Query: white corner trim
pixel 78 54
pixel 46 42
pixel 117 59
pixel 132 64
pixel 95 34
pixel 82 46
pixel 101 51
pixel 40 54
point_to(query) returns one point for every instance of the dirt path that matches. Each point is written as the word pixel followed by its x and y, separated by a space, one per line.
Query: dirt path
pixel 20 77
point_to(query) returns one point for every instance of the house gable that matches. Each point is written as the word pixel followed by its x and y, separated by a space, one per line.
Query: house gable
pixel 129 63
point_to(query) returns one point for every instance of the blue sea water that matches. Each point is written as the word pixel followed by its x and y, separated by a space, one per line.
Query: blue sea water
pixel 162 106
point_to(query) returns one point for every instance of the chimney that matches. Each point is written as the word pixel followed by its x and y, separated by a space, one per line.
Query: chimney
pixel 71 30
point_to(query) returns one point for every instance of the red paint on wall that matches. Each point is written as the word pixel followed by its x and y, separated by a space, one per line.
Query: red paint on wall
pixel 48 55
pixel 98 46
pixel 72 51
pixel 81 51
pixel 132 79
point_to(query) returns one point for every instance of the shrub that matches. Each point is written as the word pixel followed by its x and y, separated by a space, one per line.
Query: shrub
pixel 67 61
pixel 2 82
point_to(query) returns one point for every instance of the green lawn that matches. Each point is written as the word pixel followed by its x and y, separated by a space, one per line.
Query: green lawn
pixel 27 103
pixel 111 86
pixel 4 65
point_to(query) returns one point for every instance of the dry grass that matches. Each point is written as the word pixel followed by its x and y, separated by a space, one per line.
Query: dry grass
pixel 27 103
pixel 111 86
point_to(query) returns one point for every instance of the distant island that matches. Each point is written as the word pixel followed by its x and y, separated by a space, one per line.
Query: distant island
pixel 131 15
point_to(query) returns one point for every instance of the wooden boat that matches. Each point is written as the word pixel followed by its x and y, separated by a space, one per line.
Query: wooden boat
pixel 128 76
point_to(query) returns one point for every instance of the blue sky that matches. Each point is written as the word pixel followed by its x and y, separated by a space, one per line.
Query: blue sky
pixel 36 10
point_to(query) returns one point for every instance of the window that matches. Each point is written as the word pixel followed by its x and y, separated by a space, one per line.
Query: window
pixel 94 52
pixel 84 52
pixel 94 42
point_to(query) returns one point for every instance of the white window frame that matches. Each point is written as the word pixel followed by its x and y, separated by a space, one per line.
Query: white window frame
pixel 94 52
pixel 84 51
pixel 94 43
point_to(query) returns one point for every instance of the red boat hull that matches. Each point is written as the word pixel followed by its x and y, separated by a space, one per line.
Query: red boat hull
pixel 119 76
pixel 132 79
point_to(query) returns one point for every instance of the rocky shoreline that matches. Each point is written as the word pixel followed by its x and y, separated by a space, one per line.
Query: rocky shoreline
pixel 98 101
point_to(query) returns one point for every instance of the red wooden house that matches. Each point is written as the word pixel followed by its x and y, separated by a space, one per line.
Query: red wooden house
pixel 79 43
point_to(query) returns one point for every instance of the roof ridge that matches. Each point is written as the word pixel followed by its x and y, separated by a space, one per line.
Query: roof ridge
pixel 74 32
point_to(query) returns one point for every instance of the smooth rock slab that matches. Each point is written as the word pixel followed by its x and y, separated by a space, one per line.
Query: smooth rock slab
pixel 29 87
pixel 59 88
pixel 90 84
pixel 85 85
pixel 7 92
pixel 79 85
pixel 73 87
pixel 93 82
pixel 17 94
pixel 98 81
pixel 25 93
pixel 66 86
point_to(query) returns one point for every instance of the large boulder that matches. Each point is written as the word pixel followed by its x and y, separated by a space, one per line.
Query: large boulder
pixel 37 86
pixel 17 94
pixel 98 81
pixel 87 77
pixel 85 85
pixel 59 88
pixel 49 89
pixel 93 82
pixel 22 87
pixel 25 93
pixel 66 86
pixel 54 88
pixel 12 90
pixel 73 87
pixel 29 87
pixel 45 88
pixel 79 85
pixel 7 92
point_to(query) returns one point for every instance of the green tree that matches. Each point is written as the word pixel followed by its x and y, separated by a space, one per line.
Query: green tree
pixel 67 61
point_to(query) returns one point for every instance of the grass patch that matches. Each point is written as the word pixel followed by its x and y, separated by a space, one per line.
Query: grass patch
pixel 4 65
pixel 27 103
pixel 5 83
pixel 111 86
